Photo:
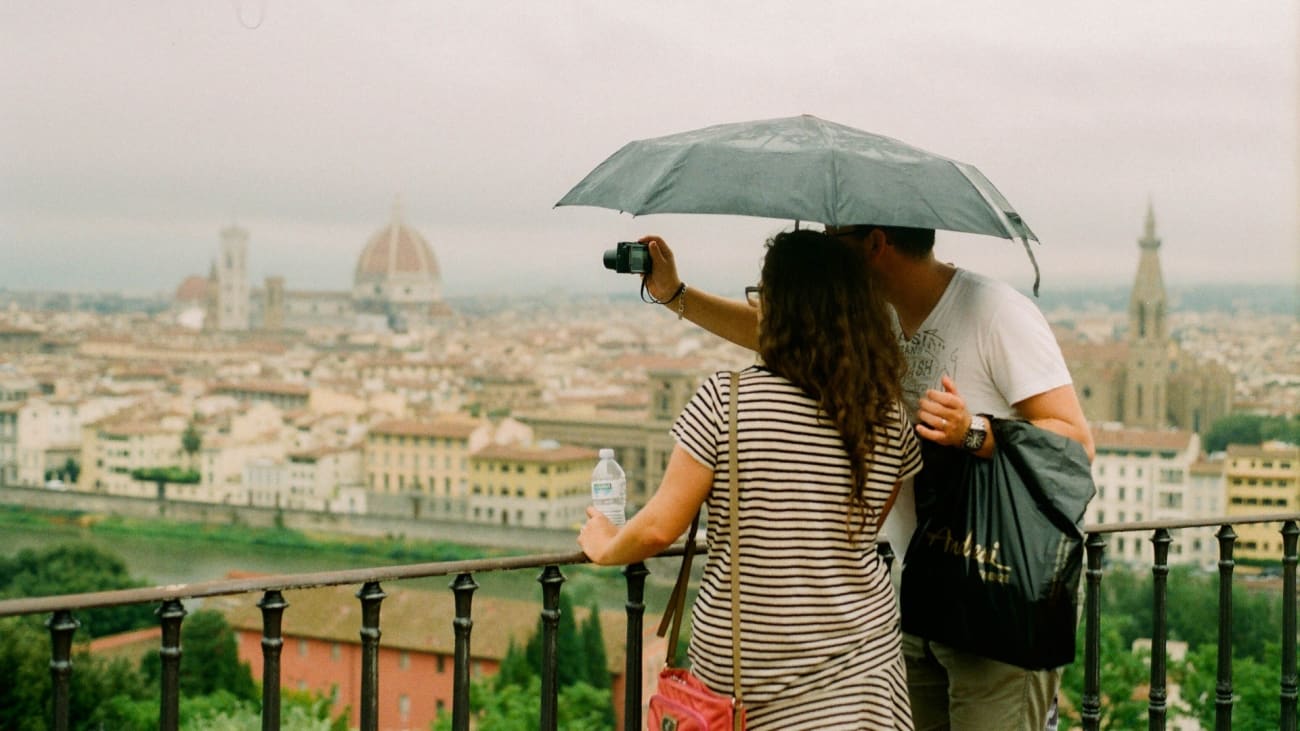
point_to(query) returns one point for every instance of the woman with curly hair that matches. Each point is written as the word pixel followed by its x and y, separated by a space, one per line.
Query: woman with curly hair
pixel 823 443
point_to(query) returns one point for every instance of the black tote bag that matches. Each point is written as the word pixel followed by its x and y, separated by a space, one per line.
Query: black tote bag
pixel 994 565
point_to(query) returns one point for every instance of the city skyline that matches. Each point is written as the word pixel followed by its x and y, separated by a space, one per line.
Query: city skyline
pixel 136 134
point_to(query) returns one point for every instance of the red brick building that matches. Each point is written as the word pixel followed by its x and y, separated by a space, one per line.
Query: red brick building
pixel 322 647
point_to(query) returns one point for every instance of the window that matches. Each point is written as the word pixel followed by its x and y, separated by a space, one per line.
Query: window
pixel 302 647
pixel 336 652
pixel 404 707
pixel 404 660
pixel 442 663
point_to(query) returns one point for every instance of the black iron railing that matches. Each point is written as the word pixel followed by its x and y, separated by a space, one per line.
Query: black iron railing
pixel 1157 711
pixel 62 625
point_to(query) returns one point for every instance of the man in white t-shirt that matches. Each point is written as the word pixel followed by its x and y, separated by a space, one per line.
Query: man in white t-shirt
pixel 975 348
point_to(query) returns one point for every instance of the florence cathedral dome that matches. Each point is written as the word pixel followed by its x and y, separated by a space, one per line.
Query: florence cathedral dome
pixel 397 270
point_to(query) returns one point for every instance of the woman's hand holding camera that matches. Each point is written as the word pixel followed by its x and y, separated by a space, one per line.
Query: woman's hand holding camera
pixel 662 282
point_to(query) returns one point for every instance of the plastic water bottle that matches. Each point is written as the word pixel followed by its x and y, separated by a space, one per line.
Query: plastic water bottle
pixel 609 488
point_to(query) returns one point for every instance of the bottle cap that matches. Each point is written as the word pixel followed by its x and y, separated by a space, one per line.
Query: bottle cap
pixel 607 453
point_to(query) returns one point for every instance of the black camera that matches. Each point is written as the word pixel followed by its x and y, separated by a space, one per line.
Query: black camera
pixel 631 257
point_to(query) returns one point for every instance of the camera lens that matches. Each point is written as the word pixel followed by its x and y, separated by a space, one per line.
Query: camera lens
pixel 611 259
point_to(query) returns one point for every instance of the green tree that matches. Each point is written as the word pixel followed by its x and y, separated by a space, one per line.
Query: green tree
pixel 593 650
pixel 209 659
pixel 95 683
pixel 1122 672
pixel 1251 429
pixel 514 707
pixel 514 668
pixel 1254 688
pixel 72 469
pixel 74 568
pixel 191 440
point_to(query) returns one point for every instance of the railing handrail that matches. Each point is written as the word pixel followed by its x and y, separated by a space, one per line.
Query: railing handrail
pixel 280 582
pixel 1151 525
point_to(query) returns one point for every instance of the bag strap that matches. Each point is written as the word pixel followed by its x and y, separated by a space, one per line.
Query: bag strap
pixel 677 600
pixel 734 469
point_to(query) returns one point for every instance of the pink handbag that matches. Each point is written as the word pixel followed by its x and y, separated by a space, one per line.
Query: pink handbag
pixel 682 702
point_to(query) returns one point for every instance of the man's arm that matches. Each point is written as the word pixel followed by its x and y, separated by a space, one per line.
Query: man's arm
pixel 734 320
pixel 1058 411
pixel 944 418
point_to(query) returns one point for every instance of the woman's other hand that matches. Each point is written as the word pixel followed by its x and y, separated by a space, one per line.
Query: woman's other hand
pixel 595 535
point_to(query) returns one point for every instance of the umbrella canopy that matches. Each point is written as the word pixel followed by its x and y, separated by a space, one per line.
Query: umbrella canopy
pixel 801 168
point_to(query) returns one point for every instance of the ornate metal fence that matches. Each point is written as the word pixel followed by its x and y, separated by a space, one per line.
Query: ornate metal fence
pixel 171 612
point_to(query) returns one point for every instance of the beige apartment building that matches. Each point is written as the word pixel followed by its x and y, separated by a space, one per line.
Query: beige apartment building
pixel 112 448
pixel 641 441
pixel 544 486
pixel 428 458
pixel 1261 479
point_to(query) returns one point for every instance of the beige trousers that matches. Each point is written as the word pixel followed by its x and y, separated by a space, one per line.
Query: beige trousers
pixel 953 690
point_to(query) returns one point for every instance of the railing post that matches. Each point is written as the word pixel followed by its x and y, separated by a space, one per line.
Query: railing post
pixel 370 595
pixel 1157 709
pixel 170 613
pixel 272 605
pixel 62 626
pixel 635 574
pixel 1091 706
pixel 463 586
pixel 1223 687
pixel 1289 535
pixel 551 579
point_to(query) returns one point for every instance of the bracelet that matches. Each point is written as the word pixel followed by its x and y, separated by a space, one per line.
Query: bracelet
pixel 681 301
pixel 650 298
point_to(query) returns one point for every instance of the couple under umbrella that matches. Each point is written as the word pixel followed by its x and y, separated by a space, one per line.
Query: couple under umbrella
pixel 829 423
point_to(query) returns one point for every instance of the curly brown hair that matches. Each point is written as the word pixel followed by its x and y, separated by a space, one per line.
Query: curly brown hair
pixel 825 327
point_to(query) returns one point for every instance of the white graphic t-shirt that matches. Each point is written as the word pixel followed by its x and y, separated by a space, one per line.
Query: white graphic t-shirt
pixel 990 339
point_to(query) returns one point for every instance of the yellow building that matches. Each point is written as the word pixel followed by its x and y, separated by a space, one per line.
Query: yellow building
pixel 1261 479
pixel 429 458
pixel 546 486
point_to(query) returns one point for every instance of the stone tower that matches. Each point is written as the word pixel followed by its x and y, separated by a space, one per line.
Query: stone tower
pixel 232 280
pixel 1145 401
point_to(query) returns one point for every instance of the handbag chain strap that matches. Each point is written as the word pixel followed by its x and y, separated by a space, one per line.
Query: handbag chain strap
pixel 677 600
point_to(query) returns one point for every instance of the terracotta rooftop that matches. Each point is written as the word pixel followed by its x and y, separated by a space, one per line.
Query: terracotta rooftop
pixel 451 427
pixel 535 454
pixel 268 387
pixel 1129 439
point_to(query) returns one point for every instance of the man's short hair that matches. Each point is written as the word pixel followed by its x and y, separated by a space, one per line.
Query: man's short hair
pixel 913 242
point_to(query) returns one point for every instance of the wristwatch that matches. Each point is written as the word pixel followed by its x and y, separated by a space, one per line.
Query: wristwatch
pixel 976 434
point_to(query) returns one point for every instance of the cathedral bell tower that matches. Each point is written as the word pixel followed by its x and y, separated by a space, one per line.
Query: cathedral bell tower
pixel 1145 400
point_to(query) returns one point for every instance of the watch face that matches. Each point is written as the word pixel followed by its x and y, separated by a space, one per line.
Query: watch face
pixel 975 435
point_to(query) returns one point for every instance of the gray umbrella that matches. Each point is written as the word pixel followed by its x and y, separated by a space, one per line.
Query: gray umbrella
pixel 805 169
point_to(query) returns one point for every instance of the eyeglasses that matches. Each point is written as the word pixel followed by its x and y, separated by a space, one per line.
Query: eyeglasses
pixel 753 295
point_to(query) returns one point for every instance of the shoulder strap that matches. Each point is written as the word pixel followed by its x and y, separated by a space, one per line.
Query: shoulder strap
pixel 734 469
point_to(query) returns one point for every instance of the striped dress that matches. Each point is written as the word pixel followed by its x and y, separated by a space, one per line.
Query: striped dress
pixel 820 639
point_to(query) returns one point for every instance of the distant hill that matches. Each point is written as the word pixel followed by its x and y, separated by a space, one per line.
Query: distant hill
pixel 1276 299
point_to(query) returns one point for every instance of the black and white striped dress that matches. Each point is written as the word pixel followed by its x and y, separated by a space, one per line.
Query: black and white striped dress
pixel 820 639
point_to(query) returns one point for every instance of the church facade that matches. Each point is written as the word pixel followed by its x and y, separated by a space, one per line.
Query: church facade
pixel 1146 381
pixel 397 285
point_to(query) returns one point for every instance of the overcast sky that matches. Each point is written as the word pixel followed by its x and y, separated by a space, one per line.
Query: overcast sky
pixel 132 132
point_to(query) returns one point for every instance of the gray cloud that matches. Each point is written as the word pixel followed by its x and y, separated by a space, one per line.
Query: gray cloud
pixel 133 132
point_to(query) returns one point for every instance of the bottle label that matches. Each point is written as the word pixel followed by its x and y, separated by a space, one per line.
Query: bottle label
pixel 602 489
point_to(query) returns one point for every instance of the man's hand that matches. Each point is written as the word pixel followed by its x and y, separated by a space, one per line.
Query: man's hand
pixel 662 281
pixel 942 417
